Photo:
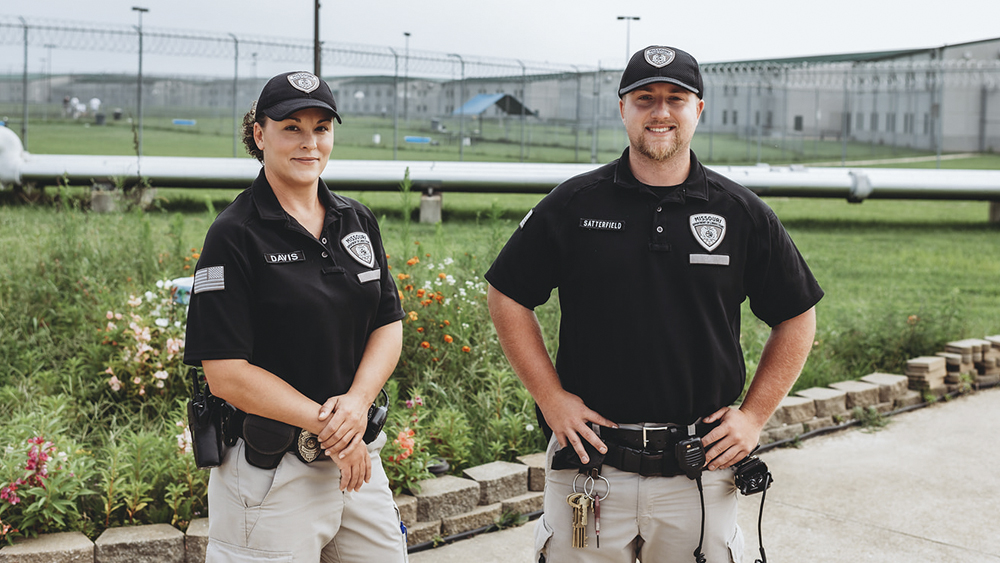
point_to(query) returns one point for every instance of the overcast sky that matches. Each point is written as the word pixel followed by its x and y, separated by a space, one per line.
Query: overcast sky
pixel 583 32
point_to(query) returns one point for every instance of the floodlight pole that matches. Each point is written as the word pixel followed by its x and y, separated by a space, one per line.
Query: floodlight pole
pixel 395 103
pixel 406 76
pixel 317 54
pixel 628 35
pixel 139 85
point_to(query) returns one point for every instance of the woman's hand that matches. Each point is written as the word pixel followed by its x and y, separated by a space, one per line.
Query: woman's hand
pixel 346 418
pixel 355 468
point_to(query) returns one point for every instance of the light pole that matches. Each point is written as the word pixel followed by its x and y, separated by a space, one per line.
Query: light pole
pixel 139 85
pixel 628 35
pixel 317 53
pixel 406 76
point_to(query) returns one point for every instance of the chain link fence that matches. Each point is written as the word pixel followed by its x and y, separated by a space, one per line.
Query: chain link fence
pixel 74 88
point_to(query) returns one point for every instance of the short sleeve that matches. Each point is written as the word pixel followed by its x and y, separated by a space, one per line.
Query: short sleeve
pixel 219 314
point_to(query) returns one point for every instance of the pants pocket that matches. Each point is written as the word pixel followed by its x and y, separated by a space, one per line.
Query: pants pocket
pixel 254 483
pixel 543 533
pixel 736 546
pixel 222 552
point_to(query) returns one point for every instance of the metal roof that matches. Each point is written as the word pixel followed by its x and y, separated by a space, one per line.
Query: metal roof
pixel 482 102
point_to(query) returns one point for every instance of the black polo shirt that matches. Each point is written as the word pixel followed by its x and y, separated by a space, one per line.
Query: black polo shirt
pixel 650 285
pixel 268 292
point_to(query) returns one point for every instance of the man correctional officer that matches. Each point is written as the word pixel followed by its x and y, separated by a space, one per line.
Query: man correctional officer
pixel 653 255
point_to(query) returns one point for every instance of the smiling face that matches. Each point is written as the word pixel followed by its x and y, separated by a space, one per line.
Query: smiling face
pixel 660 119
pixel 296 149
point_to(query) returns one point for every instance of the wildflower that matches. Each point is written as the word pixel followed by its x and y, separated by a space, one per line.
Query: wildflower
pixel 529 427
pixel 448 338
pixel 420 329
pixel 110 315
pixel 162 323
pixel 408 287
pixel 413 315
pixel 912 320
pixel 115 384
pixel 418 400
pixel 442 275
pixel 161 374
pixel 425 344
pixel 136 380
pixel 403 277
pixel 466 349
pixel 421 292
pixel 134 301
pixel 412 261
pixel 447 322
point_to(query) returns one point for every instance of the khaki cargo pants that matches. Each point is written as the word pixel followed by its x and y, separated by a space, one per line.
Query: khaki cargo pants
pixel 297 513
pixel 652 519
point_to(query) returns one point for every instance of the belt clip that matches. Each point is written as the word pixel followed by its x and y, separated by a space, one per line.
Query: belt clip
pixel 693 429
pixel 644 439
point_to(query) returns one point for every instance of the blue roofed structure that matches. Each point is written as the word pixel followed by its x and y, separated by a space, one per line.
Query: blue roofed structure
pixel 482 102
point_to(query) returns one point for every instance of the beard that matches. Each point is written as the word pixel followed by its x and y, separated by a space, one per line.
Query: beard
pixel 658 152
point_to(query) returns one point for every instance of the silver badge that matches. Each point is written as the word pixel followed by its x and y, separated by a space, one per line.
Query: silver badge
pixel 304 81
pixel 659 56
pixel 359 246
pixel 709 230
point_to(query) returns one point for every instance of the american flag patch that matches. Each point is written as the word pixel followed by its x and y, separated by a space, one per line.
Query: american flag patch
pixel 211 278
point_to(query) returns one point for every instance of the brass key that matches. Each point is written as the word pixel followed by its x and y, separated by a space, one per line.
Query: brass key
pixel 581 505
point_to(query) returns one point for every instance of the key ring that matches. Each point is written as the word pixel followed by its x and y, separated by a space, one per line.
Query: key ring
pixel 592 484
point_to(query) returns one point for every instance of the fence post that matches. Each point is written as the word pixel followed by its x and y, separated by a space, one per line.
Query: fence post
pixel 24 88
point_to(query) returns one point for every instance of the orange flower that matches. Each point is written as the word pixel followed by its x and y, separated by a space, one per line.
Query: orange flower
pixel 442 275
pixel 448 338
pixel 403 277
pixel 425 344
pixel 434 359
pixel 428 255
pixel 413 315
pixel 420 329
pixel 412 261
pixel 466 349
pixel 447 322
pixel 426 302
pixel 401 297
pixel 196 255
pixel 421 292
pixel 408 287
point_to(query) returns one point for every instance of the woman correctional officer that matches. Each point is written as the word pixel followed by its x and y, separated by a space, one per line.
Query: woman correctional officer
pixel 297 323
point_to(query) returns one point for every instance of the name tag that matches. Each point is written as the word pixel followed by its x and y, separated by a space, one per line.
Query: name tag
pixel 601 224
pixel 710 259
pixel 370 275
pixel 285 257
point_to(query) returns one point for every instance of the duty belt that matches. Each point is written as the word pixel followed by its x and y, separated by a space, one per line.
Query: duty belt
pixel 268 440
pixel 648 451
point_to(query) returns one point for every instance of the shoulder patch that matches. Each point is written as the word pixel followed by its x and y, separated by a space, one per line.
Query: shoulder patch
pixel 210 278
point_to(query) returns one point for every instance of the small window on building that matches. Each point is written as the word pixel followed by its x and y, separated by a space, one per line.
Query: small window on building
pixel 734 113
pixel 798 123
pixel 874 121
pixel 725 117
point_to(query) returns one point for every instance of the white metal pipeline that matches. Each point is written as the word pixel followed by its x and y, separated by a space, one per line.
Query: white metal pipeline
pixel 853 184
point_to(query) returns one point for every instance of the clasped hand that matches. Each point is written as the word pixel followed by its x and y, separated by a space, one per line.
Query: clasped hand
pixel 342 438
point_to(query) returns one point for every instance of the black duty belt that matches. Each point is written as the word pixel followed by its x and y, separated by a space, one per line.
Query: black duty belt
pixel 648 451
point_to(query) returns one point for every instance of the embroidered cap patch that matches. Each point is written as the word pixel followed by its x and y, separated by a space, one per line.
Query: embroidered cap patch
pixel 709 229
pixel 659 56
pixel 359 246
pixel 303 81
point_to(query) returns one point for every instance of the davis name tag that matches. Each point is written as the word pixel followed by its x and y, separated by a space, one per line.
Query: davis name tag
pixel 285 257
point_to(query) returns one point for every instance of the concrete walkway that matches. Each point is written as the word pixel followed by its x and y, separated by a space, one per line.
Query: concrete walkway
pixel 925 489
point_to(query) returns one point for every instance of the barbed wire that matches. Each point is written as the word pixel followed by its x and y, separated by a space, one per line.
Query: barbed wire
pixel 856 75
pixel 184 43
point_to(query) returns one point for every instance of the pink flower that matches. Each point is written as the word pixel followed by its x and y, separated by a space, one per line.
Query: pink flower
pixel 110 315
pixel 161 375
pixel 115 383
pixel 419 401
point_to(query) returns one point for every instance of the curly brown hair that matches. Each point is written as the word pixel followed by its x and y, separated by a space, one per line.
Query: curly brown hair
pixel 249 142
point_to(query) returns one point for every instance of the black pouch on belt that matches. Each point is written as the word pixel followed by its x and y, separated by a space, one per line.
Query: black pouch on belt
pixel 207 415
pixel 567 458
pixel 266 440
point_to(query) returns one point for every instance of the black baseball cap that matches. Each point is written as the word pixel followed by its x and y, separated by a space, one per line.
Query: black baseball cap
pixel 287 93
pixel 661 64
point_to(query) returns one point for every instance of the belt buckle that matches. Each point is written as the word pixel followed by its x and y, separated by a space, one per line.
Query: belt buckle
pixel 645 440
